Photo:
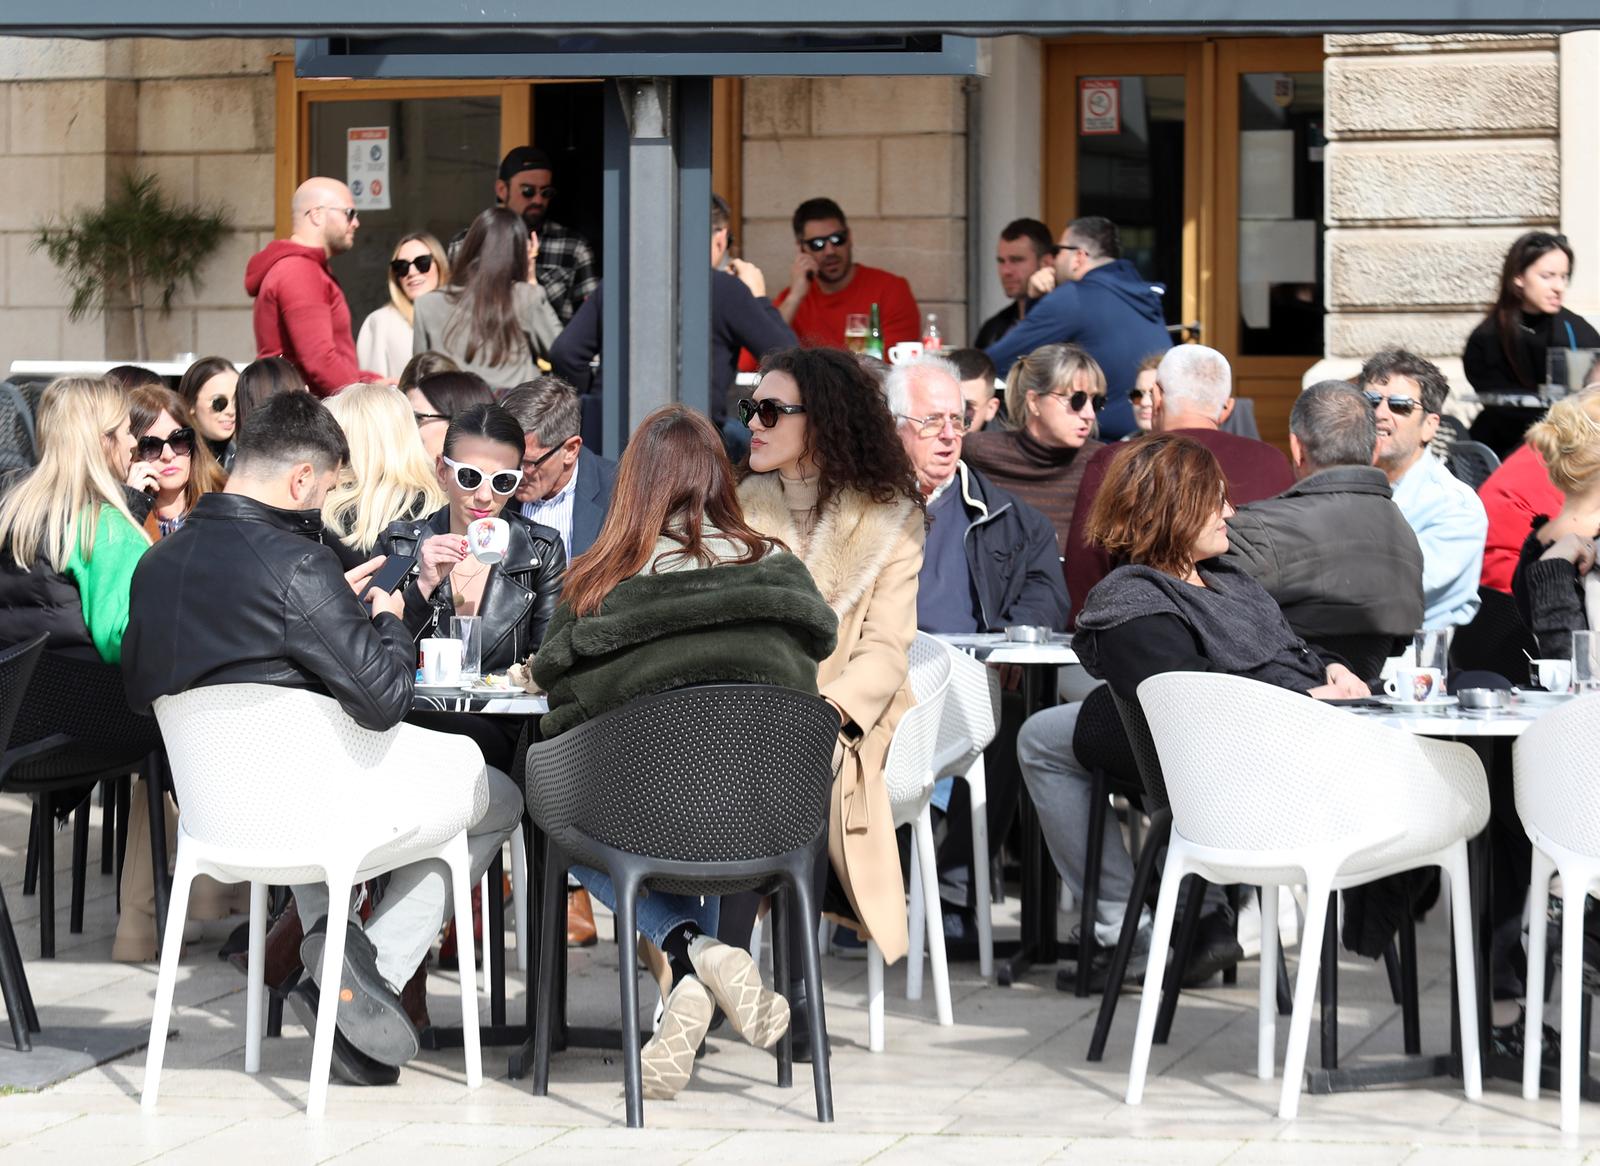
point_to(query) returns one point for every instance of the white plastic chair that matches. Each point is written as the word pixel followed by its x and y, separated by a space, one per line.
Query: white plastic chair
pixel 279 785
pixel 908 775
pixel 1558 798
pixel 1270 788
pixel 971 719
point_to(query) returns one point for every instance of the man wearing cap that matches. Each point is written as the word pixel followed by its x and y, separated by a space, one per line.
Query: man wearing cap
pixel 566 266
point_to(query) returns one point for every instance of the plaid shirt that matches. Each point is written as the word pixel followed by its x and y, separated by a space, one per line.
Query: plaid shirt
pixel 566 268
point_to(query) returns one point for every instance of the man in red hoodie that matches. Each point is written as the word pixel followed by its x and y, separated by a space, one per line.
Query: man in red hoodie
pixel 300 310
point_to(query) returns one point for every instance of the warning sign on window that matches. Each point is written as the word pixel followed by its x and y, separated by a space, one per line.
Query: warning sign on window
pixel 367 167
pixel 1099 106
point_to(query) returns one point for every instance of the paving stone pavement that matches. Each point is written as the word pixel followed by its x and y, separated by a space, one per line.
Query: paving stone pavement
pixel 1007 1084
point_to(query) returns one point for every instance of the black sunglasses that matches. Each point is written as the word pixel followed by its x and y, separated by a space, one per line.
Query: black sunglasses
pixel 766 411
pixel 423 264
pixel 423 418
pixel 547 192
pixel 838 239
pixel 1399 406
pixel 181 441
pixel 1076 401
pixel 1135 396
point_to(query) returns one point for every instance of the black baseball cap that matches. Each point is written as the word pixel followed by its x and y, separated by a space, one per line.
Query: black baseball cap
pixel 524 158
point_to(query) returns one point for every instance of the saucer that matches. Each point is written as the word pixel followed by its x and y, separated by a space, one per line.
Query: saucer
pixel 1539 698
pixel 437 689
pixel 1438 702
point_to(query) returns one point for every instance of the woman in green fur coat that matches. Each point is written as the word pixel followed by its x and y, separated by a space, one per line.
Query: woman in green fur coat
pixel 679 590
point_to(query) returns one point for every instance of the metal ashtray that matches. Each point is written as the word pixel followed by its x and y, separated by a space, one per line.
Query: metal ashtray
pixel 1485 699
pixel 1027 634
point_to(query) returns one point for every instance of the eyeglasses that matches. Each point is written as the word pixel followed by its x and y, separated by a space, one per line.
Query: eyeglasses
pixel 181 442
pixel 1060 247
pixel 1399 406
pixel 838 239
pixel 766 411
pixel 221 403
pixel 545 192
pixel 1076 401
pixel 423 418
pixel 933 425
pixel 470 477
pixel 423 264
pixel 1135 396
pixel 528 466
pixel 349 212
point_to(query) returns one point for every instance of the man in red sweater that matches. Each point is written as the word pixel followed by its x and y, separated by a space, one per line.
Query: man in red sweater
pixel 300 310
pixel 826 284
pixel 1193 395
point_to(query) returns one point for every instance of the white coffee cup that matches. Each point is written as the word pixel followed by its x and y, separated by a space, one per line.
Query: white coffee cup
pixel 1415 684
pixel 441 661
pixel 905 351
pixel 488 539
pixel 1554 675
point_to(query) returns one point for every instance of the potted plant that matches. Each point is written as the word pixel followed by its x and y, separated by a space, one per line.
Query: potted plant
pixel 139 244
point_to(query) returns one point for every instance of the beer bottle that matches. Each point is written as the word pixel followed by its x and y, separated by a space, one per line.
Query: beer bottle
pixel 874 346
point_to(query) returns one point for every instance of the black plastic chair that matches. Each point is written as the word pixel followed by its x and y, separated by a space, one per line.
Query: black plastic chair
pixel 704 791
pixel 73 730
pixel 1494 640
pixel 16 669
pixel 1472 462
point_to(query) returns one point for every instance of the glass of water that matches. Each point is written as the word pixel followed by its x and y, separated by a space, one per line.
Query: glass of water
pixel 1585 662
pixel 1431 646
pixel 469 630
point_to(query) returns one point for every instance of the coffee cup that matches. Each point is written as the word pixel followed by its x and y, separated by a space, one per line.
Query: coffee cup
pixel 1415 684
pixel 441 661
pixel 1554 675
pixel 488 539
pixel 905 351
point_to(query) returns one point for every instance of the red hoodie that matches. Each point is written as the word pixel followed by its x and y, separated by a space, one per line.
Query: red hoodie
pixel 301 314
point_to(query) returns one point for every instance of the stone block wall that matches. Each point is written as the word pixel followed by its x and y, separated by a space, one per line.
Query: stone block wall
pixel 74 117
pixel 891 151
pixel 1442 150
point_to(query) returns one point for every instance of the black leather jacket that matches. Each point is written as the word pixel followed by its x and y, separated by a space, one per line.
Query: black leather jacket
pixel 247 594
pixel 519 595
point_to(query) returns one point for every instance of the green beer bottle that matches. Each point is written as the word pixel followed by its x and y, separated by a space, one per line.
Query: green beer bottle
pixel 874 345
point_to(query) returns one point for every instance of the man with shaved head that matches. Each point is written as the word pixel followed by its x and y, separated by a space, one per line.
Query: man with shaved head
pixel 300 310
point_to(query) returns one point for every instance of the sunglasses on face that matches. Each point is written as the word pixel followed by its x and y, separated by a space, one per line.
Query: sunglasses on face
pixel 838 239
pixel 181 442
pixel 423 264
pixel 933 425
pixel 220 403
pixel 1399 406
pixel 1136 396
pixel 349 212
pixel 470 477
pixel 767 411
pixel 423 418
pixel 1076 401
pixel 545 192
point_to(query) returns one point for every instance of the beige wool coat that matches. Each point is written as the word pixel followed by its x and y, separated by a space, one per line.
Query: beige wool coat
pixel 864 557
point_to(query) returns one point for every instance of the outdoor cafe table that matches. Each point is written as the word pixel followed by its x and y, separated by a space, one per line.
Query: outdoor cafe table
pixel 1040 885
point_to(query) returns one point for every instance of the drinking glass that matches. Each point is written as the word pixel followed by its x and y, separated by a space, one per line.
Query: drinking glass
pixel 469 630
pixel 855 331
pixel 1432 649
pixel 1585 662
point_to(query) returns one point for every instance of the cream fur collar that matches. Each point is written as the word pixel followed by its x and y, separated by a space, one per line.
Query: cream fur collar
pixel 852 540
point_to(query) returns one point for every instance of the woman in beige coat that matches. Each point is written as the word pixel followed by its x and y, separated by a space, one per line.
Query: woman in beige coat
pixel 828 478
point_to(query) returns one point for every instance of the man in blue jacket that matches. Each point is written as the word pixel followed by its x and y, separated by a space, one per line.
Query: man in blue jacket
pixel 1099 302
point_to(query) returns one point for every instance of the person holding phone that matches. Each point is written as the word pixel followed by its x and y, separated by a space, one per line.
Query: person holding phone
pixel 177 465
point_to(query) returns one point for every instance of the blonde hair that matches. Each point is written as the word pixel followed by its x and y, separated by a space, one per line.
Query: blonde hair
pixel 387 470
pixel 1568 440
pixel 441 264
pixel 1044 370
pixel 55 506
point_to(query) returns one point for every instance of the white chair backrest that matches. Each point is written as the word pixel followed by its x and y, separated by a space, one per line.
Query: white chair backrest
pixel 971 714
pixel 1249 766
pixel 908 768
pixel 1557 762
pixel 256 767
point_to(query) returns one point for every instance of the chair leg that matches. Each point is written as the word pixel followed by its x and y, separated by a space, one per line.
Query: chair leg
pixel 46 845
pixel 30 868
pixel 460 862
pixel 13 981
pixel 811 960
pixel 1180 957
pixel 108 824
pixel 780 979
pixel 1155 839
pixel 1155 970
pixel 1305 988
pixel 1266 1001
pixel 627 978
pixel 874 997
pixel 1410 1010
pixel 1391 969
pixel 80 864
pixel 1330 986
pixel 978 799
pixel 329 982
pixel 1285 996
pixel 917 911
pixel 935 918
pixel 1087 944
pixel 552 917
pixel 519 894
pixel 168 980
pixel 8 940
pixel 1572 908
pixel 466 920
pixel 124 790
pixel 1538 934
pixel 256 966
pixel 1466 978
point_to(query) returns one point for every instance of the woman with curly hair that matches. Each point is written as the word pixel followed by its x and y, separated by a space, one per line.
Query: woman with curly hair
pixel 828 478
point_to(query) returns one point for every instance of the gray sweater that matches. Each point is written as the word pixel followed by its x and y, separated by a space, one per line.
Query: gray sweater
pixel 433 331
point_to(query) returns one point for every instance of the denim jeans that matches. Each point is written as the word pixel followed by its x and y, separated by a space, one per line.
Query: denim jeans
pixel 658 914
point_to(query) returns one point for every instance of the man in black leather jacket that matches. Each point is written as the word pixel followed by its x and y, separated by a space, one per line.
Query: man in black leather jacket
pixel 246 592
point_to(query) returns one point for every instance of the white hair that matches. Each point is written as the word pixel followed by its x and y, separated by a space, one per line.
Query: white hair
pixel 1197 376
pixel 900 377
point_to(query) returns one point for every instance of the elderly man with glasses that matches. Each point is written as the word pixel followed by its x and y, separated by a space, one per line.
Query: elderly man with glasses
pixel 300 310
pixel 827 285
